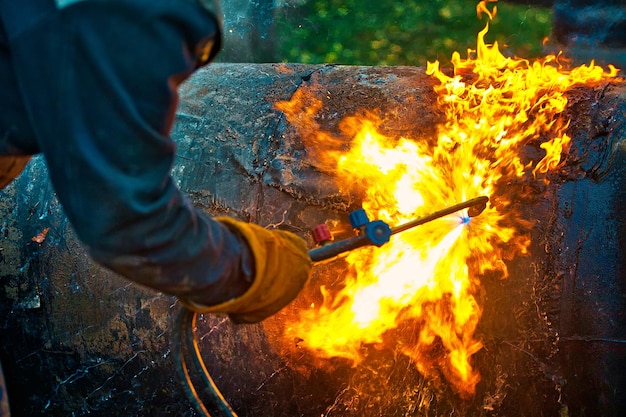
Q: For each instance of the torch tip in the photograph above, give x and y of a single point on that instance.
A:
(478, 207)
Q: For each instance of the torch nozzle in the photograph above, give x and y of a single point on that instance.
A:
(478, 208)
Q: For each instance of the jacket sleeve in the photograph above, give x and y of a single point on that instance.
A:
(102, 106)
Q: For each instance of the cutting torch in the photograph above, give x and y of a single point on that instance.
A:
(377, 232)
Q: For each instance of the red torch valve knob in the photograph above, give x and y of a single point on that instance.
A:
(321, 234)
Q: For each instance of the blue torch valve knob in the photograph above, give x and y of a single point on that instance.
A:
(358, 218)
(378, 232)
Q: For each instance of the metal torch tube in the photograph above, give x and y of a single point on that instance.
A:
(478, 201)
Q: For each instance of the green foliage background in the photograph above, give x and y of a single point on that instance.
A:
(403, 32)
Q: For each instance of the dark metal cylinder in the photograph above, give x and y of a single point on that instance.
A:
(78, 340)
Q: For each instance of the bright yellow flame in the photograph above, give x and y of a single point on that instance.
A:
(428, 276)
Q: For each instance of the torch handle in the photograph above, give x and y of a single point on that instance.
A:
(337, 248)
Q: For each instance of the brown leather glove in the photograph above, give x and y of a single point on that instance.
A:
(282, 266)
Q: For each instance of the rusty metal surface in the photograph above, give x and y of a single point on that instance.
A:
(77, 340)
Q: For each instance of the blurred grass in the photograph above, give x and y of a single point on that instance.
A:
(409, 32)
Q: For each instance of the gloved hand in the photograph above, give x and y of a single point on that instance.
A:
(282, 266)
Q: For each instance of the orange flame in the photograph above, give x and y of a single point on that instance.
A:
(429, 276)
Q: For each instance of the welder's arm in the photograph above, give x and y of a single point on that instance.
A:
(282, 266)
(104, 112)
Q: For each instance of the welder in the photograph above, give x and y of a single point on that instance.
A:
(92, 85)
